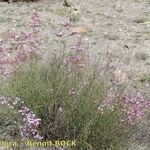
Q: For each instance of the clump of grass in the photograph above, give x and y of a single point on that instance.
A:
(68, 101)
(78, 103)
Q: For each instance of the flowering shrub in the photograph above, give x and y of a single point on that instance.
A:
(75, 98)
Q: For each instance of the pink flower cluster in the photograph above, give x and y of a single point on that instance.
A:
(75, 61)
(35, 22)
(31, 124)
(134, 106)
(30, 121)
(20, 46)
(76, 56)
(72, 59)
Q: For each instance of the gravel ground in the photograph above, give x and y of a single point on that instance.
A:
(120, 27)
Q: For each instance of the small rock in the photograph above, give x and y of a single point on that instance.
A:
(79, 30)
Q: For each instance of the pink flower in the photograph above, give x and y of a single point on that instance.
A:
(72, 59)
(31, 124)
(134, 106)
